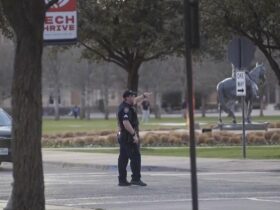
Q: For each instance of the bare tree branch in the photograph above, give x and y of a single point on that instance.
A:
(104, 57)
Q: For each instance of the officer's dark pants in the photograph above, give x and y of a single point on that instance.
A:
(129, 151)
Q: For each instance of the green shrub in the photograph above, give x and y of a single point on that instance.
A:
(275, 138)
(164, 138)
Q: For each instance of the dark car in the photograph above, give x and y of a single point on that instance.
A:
(5, 137)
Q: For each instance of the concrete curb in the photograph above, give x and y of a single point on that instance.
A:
(48, 207)
(115, 167)
(108, 162)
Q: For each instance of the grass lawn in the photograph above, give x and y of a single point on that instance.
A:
(76, 125)
(253, 152)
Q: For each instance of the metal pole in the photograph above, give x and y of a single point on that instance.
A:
(187, 17)
(243, 102)
(243, 128)
(240, 52)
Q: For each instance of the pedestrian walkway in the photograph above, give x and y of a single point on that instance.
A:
(153, 163)
(109, 161)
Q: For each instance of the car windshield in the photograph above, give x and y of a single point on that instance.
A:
(5, 119)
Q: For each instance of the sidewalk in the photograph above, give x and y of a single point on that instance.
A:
(105, 161)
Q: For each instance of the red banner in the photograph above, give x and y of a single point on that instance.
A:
(63, 6)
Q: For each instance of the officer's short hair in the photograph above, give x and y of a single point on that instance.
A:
(129, 93)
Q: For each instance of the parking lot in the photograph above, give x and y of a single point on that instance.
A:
(223, 184)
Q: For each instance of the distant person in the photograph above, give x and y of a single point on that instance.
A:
(76, 112)
(128, 138)
(145, 105)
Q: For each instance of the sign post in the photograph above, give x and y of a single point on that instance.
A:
(241, 91)
(240, 54)
(191, 35)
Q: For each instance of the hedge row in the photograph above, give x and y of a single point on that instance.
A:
(274, 125)
(170, 138)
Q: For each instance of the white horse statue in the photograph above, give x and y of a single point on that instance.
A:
(227, 92)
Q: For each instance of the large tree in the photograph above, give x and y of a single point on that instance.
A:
(257, 20)
(130, 32)
(26, 19)
(6, 59)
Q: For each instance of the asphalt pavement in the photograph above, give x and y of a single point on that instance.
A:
(105, 162)
(160, 163)
(224, 174)
(156, 163)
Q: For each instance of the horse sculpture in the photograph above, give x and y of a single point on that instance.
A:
(227, 92)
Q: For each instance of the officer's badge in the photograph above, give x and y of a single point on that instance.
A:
(126, 110)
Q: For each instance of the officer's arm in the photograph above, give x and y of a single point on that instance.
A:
(141, 97)
(128, 127)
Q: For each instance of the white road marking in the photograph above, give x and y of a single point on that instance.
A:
(49, 176)
(76, 174)
(128, 201)
(207, 173)
(266, 199)
(98, 198)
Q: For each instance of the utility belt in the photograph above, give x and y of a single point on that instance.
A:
(125, 137)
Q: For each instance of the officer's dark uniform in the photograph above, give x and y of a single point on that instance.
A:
(128, 149)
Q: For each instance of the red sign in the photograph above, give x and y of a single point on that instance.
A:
(63, 5)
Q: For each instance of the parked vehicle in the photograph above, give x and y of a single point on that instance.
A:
(5, 137)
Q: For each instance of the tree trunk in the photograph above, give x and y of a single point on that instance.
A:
(157, 108)
(83, 103)
(56, 108)
(105, 94)
(261, 105)
(27, 20)
(277, 94)
(133, 77)
(27, 122)
(56, 102)
(273, 64)
(203, 105)
(87, 91)
(87, 108)
(56, 84)
(106, 104)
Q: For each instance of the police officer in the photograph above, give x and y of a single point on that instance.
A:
(128, 138)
